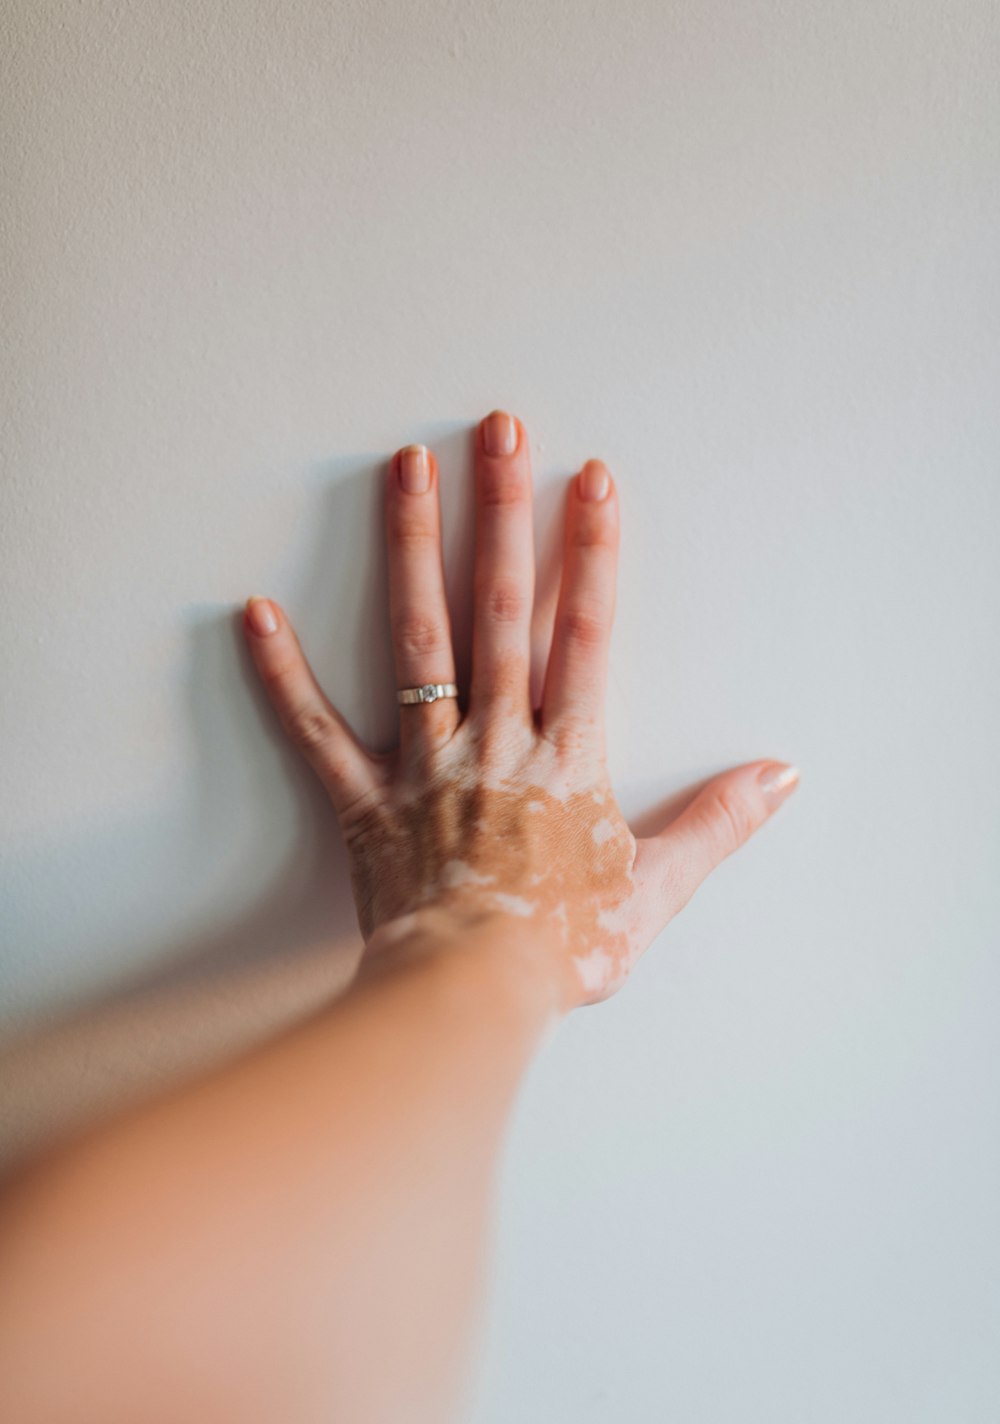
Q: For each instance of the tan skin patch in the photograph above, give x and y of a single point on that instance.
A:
(455, 839)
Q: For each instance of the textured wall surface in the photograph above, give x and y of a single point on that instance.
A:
(747, 254)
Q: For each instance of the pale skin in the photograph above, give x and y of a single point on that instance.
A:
(300, 1235)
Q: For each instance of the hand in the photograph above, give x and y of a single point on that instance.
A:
(507, 810)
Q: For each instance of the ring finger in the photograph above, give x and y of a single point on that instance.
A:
(576, 676)
(418, 610)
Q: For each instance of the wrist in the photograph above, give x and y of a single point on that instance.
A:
(485, 948)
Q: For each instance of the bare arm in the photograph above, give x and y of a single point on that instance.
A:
(299, 1236)
(296, 1237)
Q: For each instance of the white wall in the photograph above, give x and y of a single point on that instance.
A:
(747, 254)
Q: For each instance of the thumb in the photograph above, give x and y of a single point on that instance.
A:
(722, 817)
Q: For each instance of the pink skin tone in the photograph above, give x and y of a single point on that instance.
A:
(506, 807)
(299, 1235)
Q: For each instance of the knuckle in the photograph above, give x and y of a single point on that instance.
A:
(731, 819)
(418, 634)
(408, 531)
(595, 531)
(364, 819)
(571, 740)
(504, 488)
(308, 728)
(583, 627)
(276, 676)
(505, 603)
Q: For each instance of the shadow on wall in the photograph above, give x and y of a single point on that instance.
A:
(203, 997)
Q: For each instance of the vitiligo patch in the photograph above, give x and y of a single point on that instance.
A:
(525, 844)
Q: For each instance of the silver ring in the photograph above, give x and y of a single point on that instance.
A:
(430, 692)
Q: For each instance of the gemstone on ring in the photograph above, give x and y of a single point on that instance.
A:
(428, 692)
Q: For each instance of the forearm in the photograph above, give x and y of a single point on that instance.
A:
(304, 1225)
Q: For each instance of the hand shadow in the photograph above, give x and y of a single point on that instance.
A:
(107, 1039)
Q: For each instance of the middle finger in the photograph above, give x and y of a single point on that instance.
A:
(505, 569)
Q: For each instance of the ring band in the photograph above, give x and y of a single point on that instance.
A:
(430, 692)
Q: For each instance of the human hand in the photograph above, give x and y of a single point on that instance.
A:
(506, 810)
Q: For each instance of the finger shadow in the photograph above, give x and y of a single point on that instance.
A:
(658, 817)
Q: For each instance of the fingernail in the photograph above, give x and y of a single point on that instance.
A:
(593, 481)
(778, 781)
(261, 616)
(414, 469)
(499, 433)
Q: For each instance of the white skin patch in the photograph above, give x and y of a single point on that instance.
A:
(456, 872)
(395, 930)
(622, 922)
(619, 919)
(562, 920)
(514, 904)
(559, 783)
(531, 844)
(594, 969)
